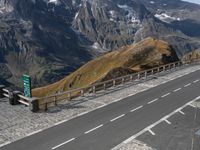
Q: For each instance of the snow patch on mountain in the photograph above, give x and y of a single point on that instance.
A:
(130, 16)
(166, 18)
(152, 2)
(56, 2)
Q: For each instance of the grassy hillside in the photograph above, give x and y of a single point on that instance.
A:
(145, 54)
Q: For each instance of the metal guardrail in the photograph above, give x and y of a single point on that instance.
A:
(16, 97)
(35, 104)
(53, 100)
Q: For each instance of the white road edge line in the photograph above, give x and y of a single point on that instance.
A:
(63, 121)
(165, 95)
(6, 143)
(136, 108)
(117, 117)
(34, 132)
(177, 90)
(187, 85)
(159, 121)
(94, 129)
(153, 101)
(63, 143)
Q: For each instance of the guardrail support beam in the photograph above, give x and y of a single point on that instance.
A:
(34, 104)
(16, 97)
(1, 91)
(13, 97)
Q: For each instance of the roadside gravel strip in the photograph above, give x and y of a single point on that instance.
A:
(17, 122)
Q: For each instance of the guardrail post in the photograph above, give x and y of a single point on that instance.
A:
(1, 91)
(145, 74)
(82, 92)
(174, 65)
(131, 77)
(69, 96)
(123, 80)
(94, 89)
(16, 97)
(138, 76)
(164, 68)
(34, 104)
(104, 86)
(45, 107)
(114, 82)
(55, 101)
(11, 98)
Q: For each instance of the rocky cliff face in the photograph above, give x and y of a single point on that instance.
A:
(36, 38)
(48, 39)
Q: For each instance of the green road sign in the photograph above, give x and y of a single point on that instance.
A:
(27, 86)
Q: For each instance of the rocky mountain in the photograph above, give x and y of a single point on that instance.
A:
(48, 39)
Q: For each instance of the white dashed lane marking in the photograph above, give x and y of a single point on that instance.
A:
(177, 90)
(159, 121)
(117, 117)
(63, 143)
(165, 95)
(153, 101)
(94, 129)
(136, 108)
(187, 85)
(195, 81)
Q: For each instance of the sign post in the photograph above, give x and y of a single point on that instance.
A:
(27, 86)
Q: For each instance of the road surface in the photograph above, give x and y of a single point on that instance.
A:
(108, 126)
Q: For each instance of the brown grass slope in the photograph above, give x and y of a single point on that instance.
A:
(143, 55)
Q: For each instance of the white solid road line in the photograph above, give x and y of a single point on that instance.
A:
(63, 121)
(165, 95)
(168, 122)
(151, 132)
(94, 129)
(177, 90)
(191, 105)
(136, 108)
(187, 85)
(159, 121)
(117, 117)
(6, 143)
(63, 143)
(153, 101)
(181, 112)
(195, 81)
(34, 132)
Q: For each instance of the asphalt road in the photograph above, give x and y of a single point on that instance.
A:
(108, 126)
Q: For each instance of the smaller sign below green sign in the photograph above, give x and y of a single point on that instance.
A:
(27, 86)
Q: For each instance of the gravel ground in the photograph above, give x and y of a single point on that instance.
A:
(17, 122)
